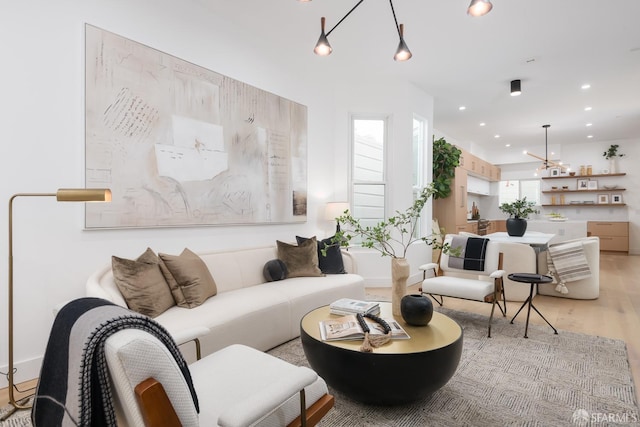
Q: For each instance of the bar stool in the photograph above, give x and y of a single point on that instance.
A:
(533, 280)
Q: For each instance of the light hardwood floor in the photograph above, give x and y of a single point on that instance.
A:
(616, 314)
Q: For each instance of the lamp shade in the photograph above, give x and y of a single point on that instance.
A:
(83, 195)
(323, 48)
(479, 7)
(403, 53)
(335, 209)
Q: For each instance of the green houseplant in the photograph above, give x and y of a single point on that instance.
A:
(391, 237)
(518, 211)
(446, 158)
(612, 155)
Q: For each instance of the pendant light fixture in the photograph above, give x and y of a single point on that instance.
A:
(515, 88)
(546, 163)
(323, 48)
(479, 7)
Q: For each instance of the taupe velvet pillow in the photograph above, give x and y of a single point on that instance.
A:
(188, 277)
(142, 284)
(301, 260)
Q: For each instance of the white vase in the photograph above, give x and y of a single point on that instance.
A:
(399, 275)
(613, 165)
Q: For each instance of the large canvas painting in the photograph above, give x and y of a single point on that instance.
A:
(180, 145)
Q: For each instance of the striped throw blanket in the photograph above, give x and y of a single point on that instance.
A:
(73, 389)
(568, 263)
(472, 253)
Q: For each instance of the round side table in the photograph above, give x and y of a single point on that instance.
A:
(533, 280)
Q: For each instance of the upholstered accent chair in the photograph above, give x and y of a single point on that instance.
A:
(235, 386)
(451, 279)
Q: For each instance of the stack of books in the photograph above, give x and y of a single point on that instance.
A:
(346, 306)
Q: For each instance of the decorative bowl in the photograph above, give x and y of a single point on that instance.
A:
(610, 187)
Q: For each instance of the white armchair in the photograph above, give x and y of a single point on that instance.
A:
(485, 285)
(235, 386)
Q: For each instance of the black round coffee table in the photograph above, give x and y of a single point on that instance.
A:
(400, 371)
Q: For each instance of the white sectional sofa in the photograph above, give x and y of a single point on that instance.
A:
(247, 309)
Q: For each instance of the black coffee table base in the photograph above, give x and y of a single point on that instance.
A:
(382, 379)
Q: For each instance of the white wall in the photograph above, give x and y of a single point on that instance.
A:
(43, 110)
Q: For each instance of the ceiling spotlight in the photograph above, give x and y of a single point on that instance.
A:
(497, 136)
(479, 7)
(482, 124)
(462, 108)
(587, 108)
(589, 136)
(515, 88)
(585, 86)
(589, 124)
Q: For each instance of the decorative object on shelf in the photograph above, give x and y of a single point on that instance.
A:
(592, 184)
(612, 155)
(583, 184)
(609, 187)
(554, 172)
(391, 237)
(416, 309)
(603, 199)
(616, 198)
(446, 158)
(518, 212)
(572, 174)
(555, 216)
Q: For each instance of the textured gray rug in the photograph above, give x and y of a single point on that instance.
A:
(547, 380)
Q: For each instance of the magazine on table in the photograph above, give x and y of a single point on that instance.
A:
(348, 328)
(346, 306)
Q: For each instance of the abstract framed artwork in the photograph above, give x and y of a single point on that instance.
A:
(592, 184)
(583, 184)
(603, 199)
(181, 145)
(616, 198)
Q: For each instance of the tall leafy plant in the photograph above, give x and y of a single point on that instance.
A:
(446, 158)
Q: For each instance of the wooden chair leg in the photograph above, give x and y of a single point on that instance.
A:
(315, 412)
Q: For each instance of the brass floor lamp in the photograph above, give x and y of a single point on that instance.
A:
(62, 195)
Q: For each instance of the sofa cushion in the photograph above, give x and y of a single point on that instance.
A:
(188, 277)
(301, 260)
(274, 270)
(331, 262)
(142, 284)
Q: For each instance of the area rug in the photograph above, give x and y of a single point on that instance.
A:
(545, 380)
(568, 379)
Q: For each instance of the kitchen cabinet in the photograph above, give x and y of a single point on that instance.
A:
(478, 167)
(478, 186)
(614, 235)
(451, 212)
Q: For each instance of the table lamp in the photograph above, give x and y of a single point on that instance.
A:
(62, 195)
(335, 209)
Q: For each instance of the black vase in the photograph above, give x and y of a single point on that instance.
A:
(516, 226)
(416, 310)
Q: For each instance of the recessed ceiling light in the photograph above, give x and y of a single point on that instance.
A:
(482, 124)
(587, 108)
(585, 86)
(589, 124)
(589, 136)
(497, 136)
(553, 153)
(462, 107)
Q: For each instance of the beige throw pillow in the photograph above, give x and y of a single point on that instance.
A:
(301, 260)
(188, 277)
(142, 284)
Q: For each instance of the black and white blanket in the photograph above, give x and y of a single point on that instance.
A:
(73, 388)
(472, 253)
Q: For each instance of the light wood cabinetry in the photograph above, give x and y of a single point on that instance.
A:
(451, 212)
(478, 167)
(614, 236)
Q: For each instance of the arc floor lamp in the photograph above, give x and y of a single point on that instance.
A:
(62, 195)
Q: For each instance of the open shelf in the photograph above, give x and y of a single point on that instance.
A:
(583, 176)
(600, 190)
(586, 205)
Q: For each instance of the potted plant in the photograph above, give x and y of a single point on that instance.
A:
(391, 237)
(612, 155)
(446, 158)
(518, 212)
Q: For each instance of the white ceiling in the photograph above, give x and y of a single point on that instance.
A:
(552, 46)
